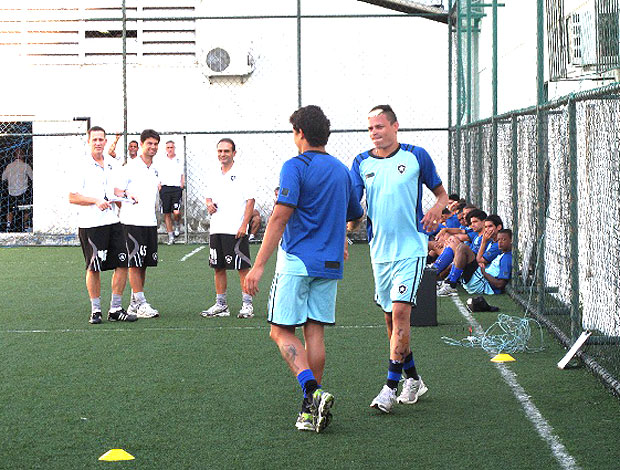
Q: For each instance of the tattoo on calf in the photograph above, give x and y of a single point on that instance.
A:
(289, 353)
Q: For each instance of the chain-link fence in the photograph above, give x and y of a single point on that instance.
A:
(558, 188)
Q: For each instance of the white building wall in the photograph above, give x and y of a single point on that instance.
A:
(348, 65)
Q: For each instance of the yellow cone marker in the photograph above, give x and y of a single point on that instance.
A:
(503, 358)
(116, 454)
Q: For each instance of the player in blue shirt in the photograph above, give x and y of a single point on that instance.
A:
(315, 201)
(493, 279)
(393, 175)
(467, 261)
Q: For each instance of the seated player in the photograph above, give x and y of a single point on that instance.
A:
(493, 279)
(475, 219)
(466, 261)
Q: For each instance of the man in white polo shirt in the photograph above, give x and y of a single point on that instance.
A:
(230, 201)
(172, 181)
(100, 231)
(139, 182)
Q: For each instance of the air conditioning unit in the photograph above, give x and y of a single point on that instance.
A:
(226, 60)
(593, 36)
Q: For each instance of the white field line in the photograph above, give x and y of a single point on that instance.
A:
(193, 252)
(172, 328)
(544, 429)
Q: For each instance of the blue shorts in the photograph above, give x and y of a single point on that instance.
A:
(478, 284)
(397, 281)
(294, 300)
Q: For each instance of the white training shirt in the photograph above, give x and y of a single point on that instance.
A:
(141, 182)
(170, 170)
(92, 180)
(230, 193)
(17, 173)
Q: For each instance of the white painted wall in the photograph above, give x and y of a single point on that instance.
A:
(348, 66)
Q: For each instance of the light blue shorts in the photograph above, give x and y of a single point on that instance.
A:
(294, 300)
(478, 284)
(397, 281)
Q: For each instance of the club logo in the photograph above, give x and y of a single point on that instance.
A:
(154, 256)
(233, 177)
(284, 191)
(402, 289)
(122, 256)
(401, 168)
(228, 259)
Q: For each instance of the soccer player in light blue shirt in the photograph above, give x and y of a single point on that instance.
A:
(392, 175)
(315, 201)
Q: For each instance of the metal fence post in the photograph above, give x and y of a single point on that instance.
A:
(573, 214)
(515, 191)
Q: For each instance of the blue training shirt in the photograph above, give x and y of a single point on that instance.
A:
(393, 188)
(501, 268)
(320, 189)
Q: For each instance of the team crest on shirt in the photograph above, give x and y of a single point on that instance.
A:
(401, 168)
(284, 191)
(402, 289)
(156, 173)
(109, 166)
(233, 177)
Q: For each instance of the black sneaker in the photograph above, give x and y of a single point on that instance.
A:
(95, 318)
(121, 315)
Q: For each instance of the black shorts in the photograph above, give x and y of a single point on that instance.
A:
(141, 245)
(228, 252)
(170, 198)
(104, 247)
(16, 201)
(469, 271)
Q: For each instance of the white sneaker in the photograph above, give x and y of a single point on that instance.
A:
(447, 291)
(385, 400)
(216, 310)
(170, 241)
(412, 390)
(247, 311)
(146, 311)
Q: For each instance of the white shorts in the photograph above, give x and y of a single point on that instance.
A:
(397, 281)
(294, 300)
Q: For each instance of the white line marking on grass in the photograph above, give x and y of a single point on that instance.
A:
(544, 429)
(171, 328)
(191, 253)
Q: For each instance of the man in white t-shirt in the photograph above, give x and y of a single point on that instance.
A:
(138, 184)
(16, 174)
(230, 202)
(172, 181)
(100, 231)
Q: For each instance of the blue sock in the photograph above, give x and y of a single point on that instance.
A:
(444, 260)
(395, 370)
(455, 275)
(308, 382)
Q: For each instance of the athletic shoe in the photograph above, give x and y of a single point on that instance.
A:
(146, 311)
(321, 404)
(305, 422)
(385, 400)
(177, 232)
(121, 315)
(216, 310)
(251, 238)
(95, 318)
(247, 311)
(412, 390)
(447, 291)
